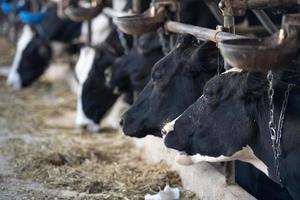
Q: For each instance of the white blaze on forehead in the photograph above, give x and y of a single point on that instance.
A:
(246, 154)
(14, 79)
(82, 69)
(237, 70)
(84, 63)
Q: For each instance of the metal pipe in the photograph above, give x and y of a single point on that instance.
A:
(250, 30)
(265, 21)
(229, 24)
(14, 21)
(260, 4)
(90, 33)
(136, 6)
(200, 32)
(113, 13)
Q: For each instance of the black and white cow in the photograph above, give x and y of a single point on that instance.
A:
(131, 72)
(37, 45)
(230, 122)
(94, 97)
(176, 82)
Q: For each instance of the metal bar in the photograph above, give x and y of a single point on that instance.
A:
(200, 32)
(250, 30)
(260, 4)
(136, 6)
(266, 21)
(90, 33)
(113, 13)
(229, 24)
(14, 36)
(230, 172)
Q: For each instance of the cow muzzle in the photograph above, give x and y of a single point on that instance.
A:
(14, 82)
(183, 159)
(90, 127)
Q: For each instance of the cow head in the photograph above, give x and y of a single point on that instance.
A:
(131, 72)
(220, 125)
(176, 82)
(94, 97)
(31, 60)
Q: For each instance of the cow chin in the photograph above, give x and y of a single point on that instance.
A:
(90, 127)
(183, 159)
(132, 132)
(137, 129)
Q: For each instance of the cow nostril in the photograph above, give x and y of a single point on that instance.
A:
(164, 132)
(122, 122)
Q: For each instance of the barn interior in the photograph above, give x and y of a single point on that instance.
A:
(90, 88)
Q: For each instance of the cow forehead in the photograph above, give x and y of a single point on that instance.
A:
(85, 63)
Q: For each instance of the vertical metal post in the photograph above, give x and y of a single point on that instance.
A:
(229, 26)
(14, 22)
(175, 17)
(136, 8)
(90, 35)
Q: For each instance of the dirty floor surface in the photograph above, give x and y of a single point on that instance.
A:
(42, 155)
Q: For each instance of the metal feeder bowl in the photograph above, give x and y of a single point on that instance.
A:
(259, 54)
(143, 23)
(80, 14)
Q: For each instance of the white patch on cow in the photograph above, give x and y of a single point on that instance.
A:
(84, 63)
(100, 29)
(82, 69)
(14, 79)
(119, 5)
(246, 154)
(101, 25)
(170, 126)
(237, 70)
(114, 115)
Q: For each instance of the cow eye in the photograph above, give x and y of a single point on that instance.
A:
(157, 75)
(208, 93)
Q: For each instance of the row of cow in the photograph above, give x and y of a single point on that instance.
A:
(180, 93)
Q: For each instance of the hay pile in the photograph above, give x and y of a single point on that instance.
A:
(7, 51)
(48, 150)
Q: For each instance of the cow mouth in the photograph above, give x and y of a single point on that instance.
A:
(183, 158)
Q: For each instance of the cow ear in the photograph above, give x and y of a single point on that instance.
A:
(256, 83)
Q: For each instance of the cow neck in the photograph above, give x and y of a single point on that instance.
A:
(40, 31)
(262, 144)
